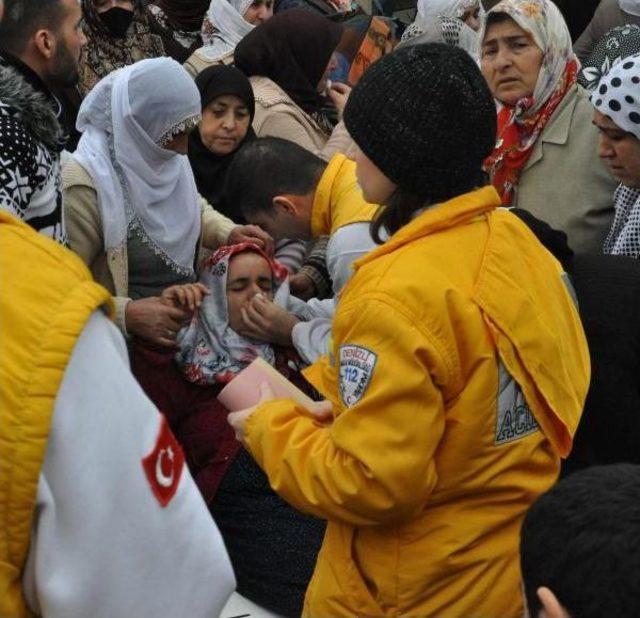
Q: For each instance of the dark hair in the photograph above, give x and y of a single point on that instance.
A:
(582, 540)
(266, 168)
(403, 205)
(23, 18)
(497, 18)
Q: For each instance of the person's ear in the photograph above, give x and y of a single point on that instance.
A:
(551, 607)
(45, 43)
(285, 205)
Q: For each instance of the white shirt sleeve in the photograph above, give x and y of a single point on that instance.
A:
(102, 545)
(346, 245)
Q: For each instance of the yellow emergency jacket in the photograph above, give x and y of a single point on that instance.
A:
(434, 455)
(47, 295)
(338, 200)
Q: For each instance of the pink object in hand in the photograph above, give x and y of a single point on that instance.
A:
(244, 390)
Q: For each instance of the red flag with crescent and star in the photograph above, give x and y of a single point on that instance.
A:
(163, 466)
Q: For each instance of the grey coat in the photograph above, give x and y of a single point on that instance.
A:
(564, 182)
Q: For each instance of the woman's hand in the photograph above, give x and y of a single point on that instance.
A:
(321, 411)
(254, 234)
(188, 296)
(339, 94)
(155, 320)
(263, 320)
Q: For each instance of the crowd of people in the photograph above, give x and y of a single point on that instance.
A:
(432, 230)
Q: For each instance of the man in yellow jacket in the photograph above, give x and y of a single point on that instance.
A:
(457, 372)
(291, 193)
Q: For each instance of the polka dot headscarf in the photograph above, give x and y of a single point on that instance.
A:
(618, 95)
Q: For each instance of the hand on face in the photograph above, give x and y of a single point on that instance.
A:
(263, 320)
(339, 94)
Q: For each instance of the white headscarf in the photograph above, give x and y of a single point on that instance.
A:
(630, 6)
(449, 30)
(140, 184)
(446, 8)
(224, 27)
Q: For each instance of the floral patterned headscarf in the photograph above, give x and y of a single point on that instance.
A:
(614, 47)
(519, 126)
(210, 351)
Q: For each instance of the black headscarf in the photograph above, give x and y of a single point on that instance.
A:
(210, 170)
(186, 15)
(293, 49)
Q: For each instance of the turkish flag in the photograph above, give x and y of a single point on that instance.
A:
(163, 466)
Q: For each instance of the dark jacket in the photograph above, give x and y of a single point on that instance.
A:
(31, 140)
(608, 291)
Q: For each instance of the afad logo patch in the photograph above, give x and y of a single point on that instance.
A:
(356, 370)
(163, 466)
(514, 417)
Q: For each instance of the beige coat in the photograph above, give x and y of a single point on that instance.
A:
(564, 182)
(197, 62)
(86, 237)
(277, 115)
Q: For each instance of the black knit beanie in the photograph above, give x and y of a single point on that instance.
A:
(425, 116)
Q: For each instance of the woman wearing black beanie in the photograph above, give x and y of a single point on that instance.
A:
(457, 373)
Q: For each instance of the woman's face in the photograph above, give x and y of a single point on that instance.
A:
(510, 61)
(249, 274)
(471, 17)
(619, 150)
(376, 187)
(225, 122)
(259, 11)
(178, 144)
(102, 6)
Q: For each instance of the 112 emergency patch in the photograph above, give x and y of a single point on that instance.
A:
(356, 370)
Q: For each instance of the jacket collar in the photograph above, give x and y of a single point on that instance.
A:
(437, 218)
(321, 210)
(558, 127)
(29, 100)
(30, 76)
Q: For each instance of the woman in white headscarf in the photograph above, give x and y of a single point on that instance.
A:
(448, 30)
(226, 23)
(468, 11)
(131, 204)
(608, 15)
(545, 160)
(454, 22)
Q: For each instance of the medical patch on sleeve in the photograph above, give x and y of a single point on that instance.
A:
(163, 466)
(356, 370)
